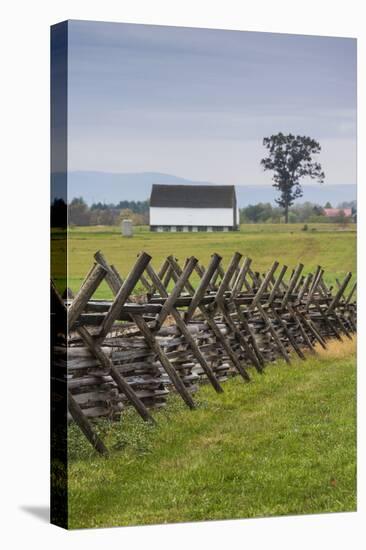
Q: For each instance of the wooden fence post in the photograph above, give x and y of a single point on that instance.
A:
(84, 424)
(185, 332)
(208, 316)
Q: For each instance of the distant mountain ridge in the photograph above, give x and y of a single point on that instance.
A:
(109, 187)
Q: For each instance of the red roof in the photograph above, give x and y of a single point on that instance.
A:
(334, 212)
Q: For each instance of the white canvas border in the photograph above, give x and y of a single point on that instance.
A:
(25, 102)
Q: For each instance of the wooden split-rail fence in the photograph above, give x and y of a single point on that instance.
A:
(135, 349)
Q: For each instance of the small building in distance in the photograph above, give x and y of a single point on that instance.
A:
(193, 208)
(336, 212)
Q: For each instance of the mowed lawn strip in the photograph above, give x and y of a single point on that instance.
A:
(325, 244)
(283, 444)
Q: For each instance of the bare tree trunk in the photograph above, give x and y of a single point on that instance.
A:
(286, 213)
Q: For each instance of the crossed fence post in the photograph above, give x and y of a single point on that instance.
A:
(149, 334)
(75, 410)
(223, 306)
(184, 330)
(259, 286)
(296, 313)
(196, 302)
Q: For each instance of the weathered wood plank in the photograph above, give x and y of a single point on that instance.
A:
(85, 426)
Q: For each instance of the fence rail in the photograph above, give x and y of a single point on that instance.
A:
(134, 350)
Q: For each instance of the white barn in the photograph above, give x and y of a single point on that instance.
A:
(193, 208)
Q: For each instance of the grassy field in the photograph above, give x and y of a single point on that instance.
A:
(283, 444)
(327, 244)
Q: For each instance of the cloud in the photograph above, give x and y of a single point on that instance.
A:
(198, 102)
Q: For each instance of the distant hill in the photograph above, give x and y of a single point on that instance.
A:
(318, 194)
(112, 188)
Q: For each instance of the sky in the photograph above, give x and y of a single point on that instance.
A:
(197, 103)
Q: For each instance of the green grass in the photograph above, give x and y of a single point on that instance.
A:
(326, 244)
(283, 444)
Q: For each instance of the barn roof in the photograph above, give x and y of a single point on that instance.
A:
(193, 196)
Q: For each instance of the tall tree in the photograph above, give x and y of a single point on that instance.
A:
(291, 159)
(79, 213)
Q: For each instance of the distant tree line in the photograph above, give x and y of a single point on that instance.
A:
(79, 213)
(137, 207)
(306, 212)
(58, 213)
